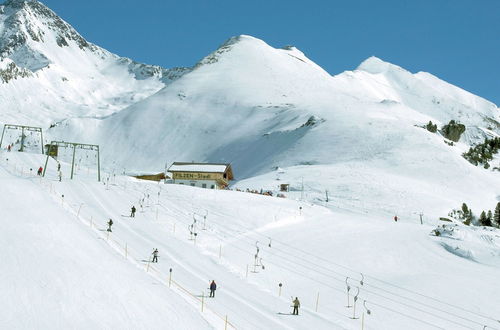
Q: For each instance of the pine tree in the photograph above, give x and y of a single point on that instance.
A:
(465, 209)
(496, 217)
(489, 216)
(482, 219)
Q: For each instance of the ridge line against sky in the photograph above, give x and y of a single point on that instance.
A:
(456, 40)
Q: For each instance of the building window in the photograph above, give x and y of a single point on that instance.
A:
(212, 187)
(203, 185)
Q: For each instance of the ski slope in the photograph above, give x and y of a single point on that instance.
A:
(410, 280)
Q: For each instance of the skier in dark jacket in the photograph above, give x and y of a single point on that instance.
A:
(155, 256)
(110, 223)
(40, 170)
(132, 212)
(213, 287)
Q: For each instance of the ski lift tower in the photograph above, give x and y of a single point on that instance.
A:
(23, 136)
(74, 145)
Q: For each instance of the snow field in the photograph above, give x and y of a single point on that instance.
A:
(54, 275)
(312, 252)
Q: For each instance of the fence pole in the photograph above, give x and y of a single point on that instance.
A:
(78, 214)
(220, 251)
(126, 251)
(170, 278)
(225, 325)
(247, 271)
(317, 302)
(202, 300)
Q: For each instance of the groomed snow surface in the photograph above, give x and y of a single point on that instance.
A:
(61, 269)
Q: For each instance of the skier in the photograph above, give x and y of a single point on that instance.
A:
(60, 176)
(155, 256)
(213, 287)
(40, 170)
(395, 218)
(132, 212)
(8, 148)
(296, 305)
(110, 223)
(58, 166)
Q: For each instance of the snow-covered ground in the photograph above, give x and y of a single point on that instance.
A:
(351, 146)
(60, 261)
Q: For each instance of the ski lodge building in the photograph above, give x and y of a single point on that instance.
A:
(203, 175)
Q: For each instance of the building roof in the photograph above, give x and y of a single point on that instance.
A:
(199, 167)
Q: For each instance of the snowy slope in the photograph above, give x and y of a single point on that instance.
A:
(55, 274)
(409, 280)
(277, 117)
(355, 134)
(49, 72)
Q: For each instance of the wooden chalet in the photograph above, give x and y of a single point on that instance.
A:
(203, 175)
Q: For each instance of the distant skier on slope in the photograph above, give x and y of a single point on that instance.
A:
(296, 306)
(110, 223)
(395, 218)
(8, 148)
(213, 287)
(40, 170)
(132, 212)
(155, 256)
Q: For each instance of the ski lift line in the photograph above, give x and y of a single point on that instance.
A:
(377, 294)
(384, 297)
(374, 293)
(372, 277)
(131, 252)
(392, 310)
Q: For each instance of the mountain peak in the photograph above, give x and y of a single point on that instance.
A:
(375, 65)
(27, 24)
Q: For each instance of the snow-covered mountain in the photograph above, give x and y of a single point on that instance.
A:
(273, 113)
(358, 134)
(352, 147)
(49, 72)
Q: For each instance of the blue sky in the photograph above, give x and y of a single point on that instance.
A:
(456, 40)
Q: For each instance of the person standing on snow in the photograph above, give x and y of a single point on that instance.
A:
(132, 212)
(155, 256)
(213, 287)
(110, 223)
(40, 170)
(296, 306)
(395, 218)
